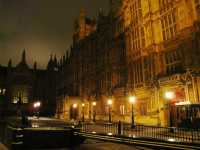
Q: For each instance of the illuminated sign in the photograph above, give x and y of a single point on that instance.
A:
(183, 103)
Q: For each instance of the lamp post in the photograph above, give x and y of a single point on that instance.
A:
(169, 95)
(74, 111)
(132, 100)
(83, 112)
(94, 111)
(109, 109)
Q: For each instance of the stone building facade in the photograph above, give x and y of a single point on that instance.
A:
(28, 84)
(141, 48)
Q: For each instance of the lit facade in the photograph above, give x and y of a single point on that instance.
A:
(142, 48)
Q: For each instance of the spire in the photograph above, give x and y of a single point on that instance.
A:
(55, 59)
(24, 56)
(67, 54)
(10, 63)
(50, 62)
(64, 60)
(35, 65)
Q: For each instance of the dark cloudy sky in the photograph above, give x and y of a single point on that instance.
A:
(40, 26)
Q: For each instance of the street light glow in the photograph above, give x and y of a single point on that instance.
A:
(132, 99)
(74, 105)
(109, 102)
(94, 103)
(169, 95)
(110, 133)
(36, 104)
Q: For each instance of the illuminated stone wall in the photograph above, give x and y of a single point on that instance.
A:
(142, 48)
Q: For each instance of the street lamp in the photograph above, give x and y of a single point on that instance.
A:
(37, 105)
(83, 111)
(94, 111)
(109, 109)
(74, 106)
(74, 110)
(169, 95)
(132, 100)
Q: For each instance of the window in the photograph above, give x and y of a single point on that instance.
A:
(138, 38)
(138, 34)
(168, 19)
(173, 62)
(138, 72)
(143, 108)
(147, 71)
(122, 109)
(2, 91)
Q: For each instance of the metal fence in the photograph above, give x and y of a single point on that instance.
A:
(140, 131)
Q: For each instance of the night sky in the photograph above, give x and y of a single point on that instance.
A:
(41, 27)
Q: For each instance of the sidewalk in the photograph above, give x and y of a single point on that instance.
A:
(2, 147)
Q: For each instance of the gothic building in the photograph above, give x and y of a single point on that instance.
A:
(148, 49)
(29, 84)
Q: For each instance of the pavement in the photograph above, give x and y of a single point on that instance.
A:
(99, 145)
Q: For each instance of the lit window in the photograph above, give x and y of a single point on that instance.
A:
(138, 34)
(168, 20)
(143, 108)
(15, 100)
(122, 109)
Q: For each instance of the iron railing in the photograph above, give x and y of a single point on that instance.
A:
(172, 134)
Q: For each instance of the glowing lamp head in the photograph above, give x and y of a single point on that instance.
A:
(74, 105)
(36, 104)
(94, 103)
(83, 105)
(169, 95)
(132, 99)
(109, 102)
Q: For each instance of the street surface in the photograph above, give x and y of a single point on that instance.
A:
(111, 129)
(99, 145)
(141, 131)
